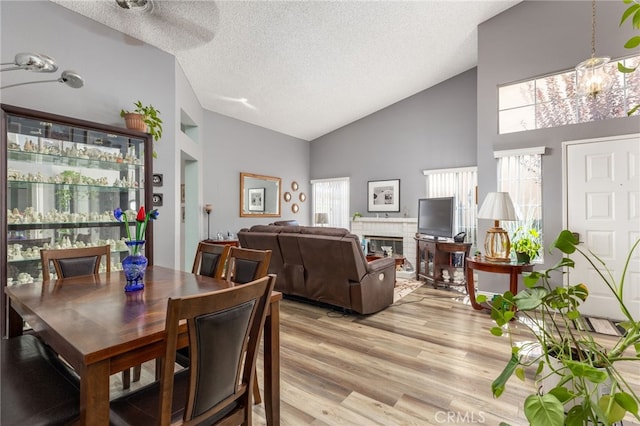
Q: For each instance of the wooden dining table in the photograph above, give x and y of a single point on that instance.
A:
(100, 330)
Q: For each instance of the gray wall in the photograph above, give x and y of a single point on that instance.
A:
(232, 146)
(514, 46)
(119, 70)
(433, 129)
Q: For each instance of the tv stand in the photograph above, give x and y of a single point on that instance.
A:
(441, 263)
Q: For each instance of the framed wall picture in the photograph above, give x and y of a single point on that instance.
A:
(256, 199)
(383, 195)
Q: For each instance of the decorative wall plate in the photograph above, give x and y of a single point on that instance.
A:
(294, 185)
(295, 208)
(287, 196)
(302, 197)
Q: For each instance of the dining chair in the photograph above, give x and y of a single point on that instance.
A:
(210, 259)
(76, 262)
(224, 329)
(245, 265)
(37, 386)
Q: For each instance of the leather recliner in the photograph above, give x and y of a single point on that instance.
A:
(324, 265)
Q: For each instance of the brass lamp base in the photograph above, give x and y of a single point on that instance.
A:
(496, 244)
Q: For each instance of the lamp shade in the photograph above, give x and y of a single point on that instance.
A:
(322, 218)
(497, 206)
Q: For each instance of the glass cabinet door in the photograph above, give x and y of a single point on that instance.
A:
(63, 181)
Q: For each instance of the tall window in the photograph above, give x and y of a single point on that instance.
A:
(520, 174)
(460, 183)
(331, 197)
(552, 100)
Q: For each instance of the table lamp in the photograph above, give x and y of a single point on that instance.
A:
(497, 206)
(322, 218)
(208, 208)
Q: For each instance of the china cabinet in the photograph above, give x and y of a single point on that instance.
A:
(62, 178)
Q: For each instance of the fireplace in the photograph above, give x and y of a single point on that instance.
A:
(376, 242)
(389, 229)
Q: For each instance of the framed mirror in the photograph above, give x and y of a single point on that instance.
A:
(259, 195)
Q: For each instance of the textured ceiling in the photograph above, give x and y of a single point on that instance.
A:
(306, 68)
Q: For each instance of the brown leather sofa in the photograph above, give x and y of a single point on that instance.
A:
(324, 265)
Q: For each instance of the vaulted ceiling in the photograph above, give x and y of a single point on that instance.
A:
(306, 68)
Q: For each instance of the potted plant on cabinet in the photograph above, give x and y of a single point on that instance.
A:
(526, 244)
(144, 118)
(587, 385)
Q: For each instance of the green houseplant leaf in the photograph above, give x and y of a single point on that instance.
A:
(544, 410)
(574, 371)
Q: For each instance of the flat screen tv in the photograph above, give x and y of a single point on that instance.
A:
(435, 217)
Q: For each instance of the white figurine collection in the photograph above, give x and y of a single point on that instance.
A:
(46, 146)
(70, 177)
(26, 278)
(30, 215)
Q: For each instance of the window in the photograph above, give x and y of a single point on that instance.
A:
(552, 101)
(520, 174)
(460, 183)
(331, 196)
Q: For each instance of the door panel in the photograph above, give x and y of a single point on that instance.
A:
(603, 205)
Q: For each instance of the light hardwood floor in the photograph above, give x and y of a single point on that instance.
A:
(427, 360)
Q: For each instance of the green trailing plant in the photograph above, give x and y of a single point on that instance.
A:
(356, 215)
(633, 14)
(527, 242)
(151, 117)
(587, 386)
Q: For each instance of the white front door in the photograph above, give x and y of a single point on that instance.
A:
(602, 190)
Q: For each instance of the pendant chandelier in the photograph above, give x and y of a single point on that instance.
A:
(592, 76)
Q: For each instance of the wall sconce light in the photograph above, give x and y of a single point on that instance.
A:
(497, 206)
(208, 208)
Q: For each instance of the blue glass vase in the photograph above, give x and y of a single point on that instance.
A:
(134, 266)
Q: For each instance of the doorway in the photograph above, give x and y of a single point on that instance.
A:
(190, 214)
(602, 204)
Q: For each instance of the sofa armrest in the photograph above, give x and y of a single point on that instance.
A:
(380, 264)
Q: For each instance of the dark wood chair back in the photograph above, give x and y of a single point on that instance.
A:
(225, 329)
(245, 265)
(75, 261)
(210, 259)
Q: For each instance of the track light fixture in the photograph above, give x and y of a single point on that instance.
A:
(68, 77)
(35, 62)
